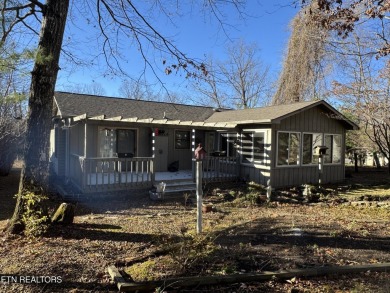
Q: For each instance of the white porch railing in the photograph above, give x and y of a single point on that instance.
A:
(220, 168)
(99, 174)
(102, 174)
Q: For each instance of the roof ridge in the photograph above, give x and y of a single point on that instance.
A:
(280, 105)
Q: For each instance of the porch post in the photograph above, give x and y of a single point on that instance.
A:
(152, 167)
(153, 142)
(193, 150)
(238, 154)
(85, 139)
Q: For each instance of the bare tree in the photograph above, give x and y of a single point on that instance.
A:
(91, 89)
(210, 90)
(246, 76)
(137, 89)
(242, 80)
(364, 91)
(174, 97)
(117, 21)
(303, 67)
(12, 107)
(343, 16)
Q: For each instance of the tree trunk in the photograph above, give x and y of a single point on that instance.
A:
(64, 214)
(376, 159)
(355, 157)
(35, 171)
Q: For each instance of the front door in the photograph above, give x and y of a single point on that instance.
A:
(161, 154)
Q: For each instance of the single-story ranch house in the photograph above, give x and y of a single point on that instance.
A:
(103, 143)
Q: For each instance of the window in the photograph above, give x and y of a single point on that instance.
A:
(227, 144)
(253, 147)
(125, 143)
(116, 142)
(182, 140)
(107, 142)
(288, 148)
(310, 142)
(333, 153)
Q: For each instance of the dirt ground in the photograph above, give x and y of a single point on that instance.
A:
(131, 231)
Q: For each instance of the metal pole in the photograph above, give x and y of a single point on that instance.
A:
(199, 194)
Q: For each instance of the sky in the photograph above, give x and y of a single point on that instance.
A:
(266, 24)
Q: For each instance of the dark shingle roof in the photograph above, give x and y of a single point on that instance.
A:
(264, 114)
(71, 105)
(274, 114)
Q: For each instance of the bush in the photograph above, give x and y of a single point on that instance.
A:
(35, 218)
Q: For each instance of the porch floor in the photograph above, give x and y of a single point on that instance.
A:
(179, 175)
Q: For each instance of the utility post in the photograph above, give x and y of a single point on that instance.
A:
(199, 195)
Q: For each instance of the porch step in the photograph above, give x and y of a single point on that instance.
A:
(173, 186)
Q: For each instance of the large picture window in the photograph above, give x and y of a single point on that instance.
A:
(309, 143)
(289, 148)
(333, 143)
(253, 147)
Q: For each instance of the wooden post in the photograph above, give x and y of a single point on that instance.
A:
(152, 174)
(320, 170)
(193, 151)
(84, 173)
(199, 194)
(269, 190)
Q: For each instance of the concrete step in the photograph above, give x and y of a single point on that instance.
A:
(179, 186)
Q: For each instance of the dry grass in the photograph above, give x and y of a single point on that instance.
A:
(152, 240)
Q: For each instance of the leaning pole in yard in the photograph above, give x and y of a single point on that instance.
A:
(199, 195)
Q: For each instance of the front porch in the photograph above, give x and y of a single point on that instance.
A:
(114, 174)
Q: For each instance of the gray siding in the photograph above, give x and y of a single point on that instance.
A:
(60, 151)
(76, 139)
(317, 121)
(184, 156)
(144, 142)
(92, 140)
